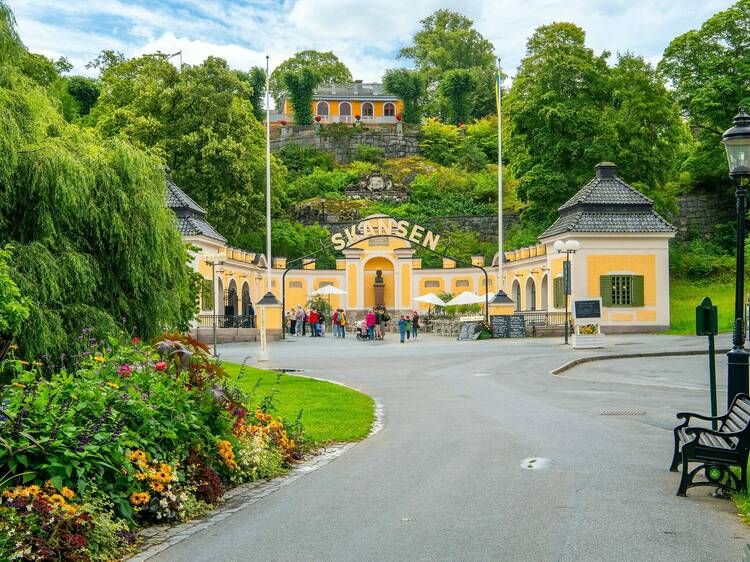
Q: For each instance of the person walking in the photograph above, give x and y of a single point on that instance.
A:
(291, 318)
(313, 323)
(321, 324)
(342, 323)
(370, 323)
(402, 328)
(408, 326)
(415, 324)
(335, 323)
(300, 324)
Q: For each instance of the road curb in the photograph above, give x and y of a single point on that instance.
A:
(158, 539)
(580, 360)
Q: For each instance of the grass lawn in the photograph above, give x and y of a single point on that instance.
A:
(330, 413)
(686, 295)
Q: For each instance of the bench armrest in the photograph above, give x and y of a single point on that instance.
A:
(687, 415)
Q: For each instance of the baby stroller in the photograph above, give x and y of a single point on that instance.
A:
(362, 333)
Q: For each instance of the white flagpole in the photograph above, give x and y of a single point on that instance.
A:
(499, 179)
(268, 179)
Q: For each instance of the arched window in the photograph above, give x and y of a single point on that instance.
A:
(322, 109)
(530, 294)
(367, 109)
(516, 292)
(545, 290)
(345, 109)
(389, 110)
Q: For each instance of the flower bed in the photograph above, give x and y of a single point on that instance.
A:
(127, 434)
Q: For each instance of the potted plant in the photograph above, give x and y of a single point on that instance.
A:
(318, 118)
(587, 336)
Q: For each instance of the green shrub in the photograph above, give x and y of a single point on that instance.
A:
(440, 142)
(373, 154)
(698, 259)
(13, 310)
(302, 160)
(483, 133)
(320, 182)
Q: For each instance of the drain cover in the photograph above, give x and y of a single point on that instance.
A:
(285, 370)
(623, 413)
(536, 463)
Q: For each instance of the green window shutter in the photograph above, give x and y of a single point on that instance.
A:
(636, 285)
(559, 289)
(605, 289)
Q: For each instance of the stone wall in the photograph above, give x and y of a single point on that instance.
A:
(397, 142)
(698, 213)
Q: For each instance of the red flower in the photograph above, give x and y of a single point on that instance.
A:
(398, 117)
(125, 370)
(283, 123)
(460, 123)
(318, 118)
(161, 366)
(358, 117)
(136, 340)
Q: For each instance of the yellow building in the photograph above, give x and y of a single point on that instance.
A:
(342, 103)
(623, 258)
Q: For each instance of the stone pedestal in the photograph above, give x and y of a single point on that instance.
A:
(379, 287)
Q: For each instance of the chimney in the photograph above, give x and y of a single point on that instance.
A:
(358, 86)
(606, 170)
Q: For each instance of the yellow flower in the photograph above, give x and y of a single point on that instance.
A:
(19, 385)
(157, 487)
(13, 346)
(113, 385)
(139, 499)
(67, 492)
(140, 476)
(99, 359)
(24, 362)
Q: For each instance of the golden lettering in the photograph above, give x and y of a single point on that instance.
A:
(416, 234)
(338, 241)
(431, 240)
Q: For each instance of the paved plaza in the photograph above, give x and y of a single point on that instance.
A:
(443, 479)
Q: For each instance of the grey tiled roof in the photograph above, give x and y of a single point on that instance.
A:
(194, 226)
(608, 204)
(618, 221)
(178, 199)
(607, 191)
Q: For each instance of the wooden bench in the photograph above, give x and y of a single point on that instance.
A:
(717, 450)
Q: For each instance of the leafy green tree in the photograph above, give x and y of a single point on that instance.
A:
(456, 86)
(200, 121)
(98, 244)
(301, 86)
(708, 69)
(448, 41)
(301, 160)
(257, 79)
(106, 59)
(325, 65)
(13, 310)
(293, 240)
(411, 87)
(84, 91)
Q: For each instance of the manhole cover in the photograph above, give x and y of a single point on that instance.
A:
(623, 413)
(536, 463)
(284, 370)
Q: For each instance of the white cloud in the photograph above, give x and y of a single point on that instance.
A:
(366, 36)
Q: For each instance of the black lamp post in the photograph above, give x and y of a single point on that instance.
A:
(568, 247)
(737, 144)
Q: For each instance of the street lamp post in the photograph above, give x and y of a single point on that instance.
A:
(214, 262)
(323, 212)
(737, 145)
(568, 247)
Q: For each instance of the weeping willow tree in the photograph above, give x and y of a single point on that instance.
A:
(93, 243)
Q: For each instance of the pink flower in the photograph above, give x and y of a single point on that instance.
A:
(136, 340)
(161, 366)
(125, 370)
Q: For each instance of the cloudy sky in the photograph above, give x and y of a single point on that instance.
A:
(365, 35)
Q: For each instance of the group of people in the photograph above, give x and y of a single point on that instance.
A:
(298, 321)
(372, 327)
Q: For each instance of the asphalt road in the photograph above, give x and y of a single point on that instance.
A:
(443, 479)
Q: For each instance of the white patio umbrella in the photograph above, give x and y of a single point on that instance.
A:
(431, 298)
(467, 297)
(329, 290)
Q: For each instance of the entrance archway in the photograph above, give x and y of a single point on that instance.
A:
(516, 292)
(386, 267)
(545, 290)
(230, 306)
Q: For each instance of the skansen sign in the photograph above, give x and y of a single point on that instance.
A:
(386, 226)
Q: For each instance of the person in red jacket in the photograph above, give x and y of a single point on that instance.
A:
(314, 323)
(370, 323)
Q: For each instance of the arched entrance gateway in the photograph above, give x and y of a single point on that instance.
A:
(379, 265)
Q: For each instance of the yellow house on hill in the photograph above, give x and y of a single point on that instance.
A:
(341, 103)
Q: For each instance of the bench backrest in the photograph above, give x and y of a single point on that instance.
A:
(738, 417)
